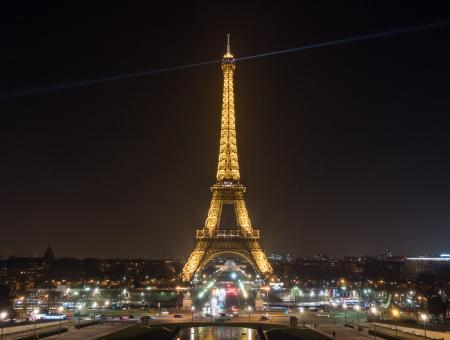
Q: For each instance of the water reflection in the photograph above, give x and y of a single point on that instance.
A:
(218, 332)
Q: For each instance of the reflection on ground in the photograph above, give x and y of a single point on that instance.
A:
(218, 332)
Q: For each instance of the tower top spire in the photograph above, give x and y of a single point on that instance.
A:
(228, 56)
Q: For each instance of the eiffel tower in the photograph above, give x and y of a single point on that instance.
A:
(211, 241)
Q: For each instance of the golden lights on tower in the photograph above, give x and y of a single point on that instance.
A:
(212, 241)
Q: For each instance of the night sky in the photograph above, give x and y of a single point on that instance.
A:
(345, 150)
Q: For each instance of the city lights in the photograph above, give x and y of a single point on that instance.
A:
(317, 271)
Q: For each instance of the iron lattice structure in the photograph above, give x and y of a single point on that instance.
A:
(212, 241)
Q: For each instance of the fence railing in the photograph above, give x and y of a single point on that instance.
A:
(227, 233)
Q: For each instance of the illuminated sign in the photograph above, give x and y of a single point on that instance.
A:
(276, 285)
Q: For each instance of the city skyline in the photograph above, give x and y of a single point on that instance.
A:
(345, 148)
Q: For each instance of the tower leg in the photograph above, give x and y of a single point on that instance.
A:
(260, 259)
(241, 212)
(215, 210)
(194, 260)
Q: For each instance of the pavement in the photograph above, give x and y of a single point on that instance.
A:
(403, 335)
(351, 333)
(86, 333)
(91, 332)
(341, 333)
(324, 325)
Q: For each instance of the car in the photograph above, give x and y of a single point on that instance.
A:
(177, 316)
(264, 318)
(223, 317)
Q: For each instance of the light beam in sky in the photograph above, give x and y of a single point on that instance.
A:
(354, 39)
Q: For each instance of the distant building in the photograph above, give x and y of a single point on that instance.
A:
(424, 265)
(321, 257)
(49, 255)
(279, 258)
(386, 254)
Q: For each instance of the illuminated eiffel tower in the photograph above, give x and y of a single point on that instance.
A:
(211, 240)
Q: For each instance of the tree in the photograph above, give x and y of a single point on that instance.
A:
(5, 297)
(437, 306)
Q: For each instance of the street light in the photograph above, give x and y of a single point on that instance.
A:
(94, 305)
(192, 311)
(178, 294)
(294, 292)
(79, 307)
(344, 307)
(267, 288)
(35, 312)
(395, 314)
(374, 311)
(249, 308)
(106, 310)
(424, 317)
(2, 318)
(60, 310)
(357, 308)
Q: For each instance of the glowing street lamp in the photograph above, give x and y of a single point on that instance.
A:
(192, 311)
(267, 289)
(178, 294)
(424, 318)
(94, 305)
(295, 291)
(79, 307)
(395, 315)
(344, 307)
(106, 309)
(3, 316)
(249, 308)
(357, 308)
(374, 312)
(60, 310)
(35, 313)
